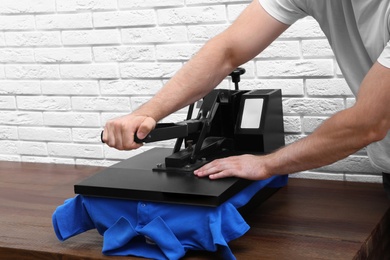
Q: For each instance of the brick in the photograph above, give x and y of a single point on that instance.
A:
(316, 48)
(8, 147)
(169, 34)
(90, 37)
(289, 87)
(17, 22)
(64, 21)
(124, 18)
(20, 118)
(149, 70)
(31, 39)
(63, 55)
(327, 87)
(78, 88)
(17, 55)
(27, 6)
(292, 124)
(14, 158)
(7, 102)
(338, 70)
(43, 103)
(312, 106)
(89, 71)
(192, 15)
(84, 5)
(17, 87)
(2, 72)
(176, 52)
(101, 103)
(281, 49)
(35, 71)
(32, 148)
(130, 87)
(124, 53)
(2, 39)
(130, 4)
(295, 68)
(86, 135)
(75, 150)
(8, 133)
(71, 119)
(45, 134)
(311, 123)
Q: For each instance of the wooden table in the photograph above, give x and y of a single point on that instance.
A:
(308, 219)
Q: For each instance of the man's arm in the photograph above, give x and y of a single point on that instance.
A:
(341, 135)
(250, 34)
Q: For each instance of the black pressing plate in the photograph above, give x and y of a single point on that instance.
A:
(135, 179)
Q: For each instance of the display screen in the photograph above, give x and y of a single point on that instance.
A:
(251, 117)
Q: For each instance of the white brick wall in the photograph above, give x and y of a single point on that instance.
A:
(67, 66)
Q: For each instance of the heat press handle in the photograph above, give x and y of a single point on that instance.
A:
(161, 132)
(164, 131)
(136, 139)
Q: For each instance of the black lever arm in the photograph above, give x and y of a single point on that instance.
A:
(166, 131)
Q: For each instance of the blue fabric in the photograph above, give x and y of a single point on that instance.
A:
(158, 230)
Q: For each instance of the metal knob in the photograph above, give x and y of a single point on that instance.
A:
(235, 74)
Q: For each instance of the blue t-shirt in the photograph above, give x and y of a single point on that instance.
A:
(158, 230)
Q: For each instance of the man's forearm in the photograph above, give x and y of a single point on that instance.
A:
(338, 137)
(344, 133)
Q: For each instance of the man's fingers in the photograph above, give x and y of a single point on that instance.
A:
(221, 174)
(119, 133)
(215, 168)
(146, 126)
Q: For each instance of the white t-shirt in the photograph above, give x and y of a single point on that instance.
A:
(358, 32)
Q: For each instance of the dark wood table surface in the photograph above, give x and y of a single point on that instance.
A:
(308, 219)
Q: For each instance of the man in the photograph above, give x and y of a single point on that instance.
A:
(358, 32)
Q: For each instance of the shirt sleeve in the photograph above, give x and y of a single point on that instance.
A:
(285, 11)
(384, 57)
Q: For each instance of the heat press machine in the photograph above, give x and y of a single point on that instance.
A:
(224, 123)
